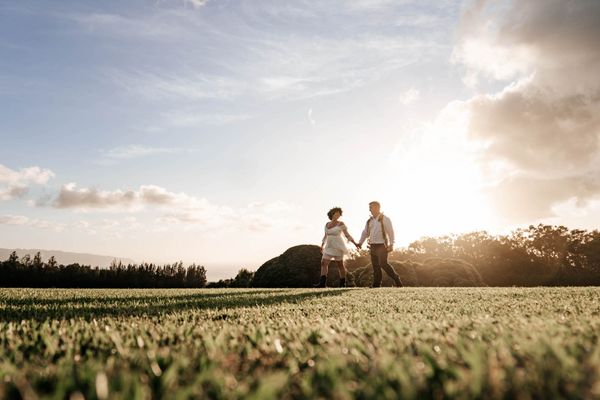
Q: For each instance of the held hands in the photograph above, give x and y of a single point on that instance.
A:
(358, 246)
(390, 248)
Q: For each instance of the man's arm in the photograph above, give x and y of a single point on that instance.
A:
(389, 229)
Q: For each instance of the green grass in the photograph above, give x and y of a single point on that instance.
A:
(300, 343)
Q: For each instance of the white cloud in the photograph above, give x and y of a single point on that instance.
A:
(121, 25)
(136, 151)
(256, 217)
(15, 184)
(271, 50)
(410, 96)
(177, 208)
(70, 196)
(543, 128)
(13, 192)
(13, 220)
(21, 220)
(29, 174)
(196, 3)
(302, 68)
(312, 121)
(108, 227)
(272, 67)
(365, 5)
(177, 86)
(190, 118)
(421, 21)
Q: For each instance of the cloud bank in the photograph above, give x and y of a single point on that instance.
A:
(541, 132)
(175, 208)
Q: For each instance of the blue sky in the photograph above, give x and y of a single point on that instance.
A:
(235, 125)
(218, 90)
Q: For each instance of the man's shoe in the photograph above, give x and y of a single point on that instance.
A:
(342, 282)
(322, 282)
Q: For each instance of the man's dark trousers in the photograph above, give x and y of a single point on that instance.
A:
(379, 255)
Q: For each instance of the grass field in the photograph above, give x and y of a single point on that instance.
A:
(300, 343)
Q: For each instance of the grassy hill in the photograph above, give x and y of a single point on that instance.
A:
(300, 343)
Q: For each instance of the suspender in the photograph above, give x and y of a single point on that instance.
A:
(380, 219)
(385, 238)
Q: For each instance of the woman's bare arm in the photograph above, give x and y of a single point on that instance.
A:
(347, 234)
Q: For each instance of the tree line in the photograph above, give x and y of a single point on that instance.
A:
(537, 255)
(34, 272)
(533, 256)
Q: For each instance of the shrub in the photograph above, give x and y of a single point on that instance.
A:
(405, 269)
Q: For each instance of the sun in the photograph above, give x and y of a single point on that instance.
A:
(437, 182)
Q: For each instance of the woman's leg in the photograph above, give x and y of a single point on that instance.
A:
(324, 266)
(323, 278)
(342, 268)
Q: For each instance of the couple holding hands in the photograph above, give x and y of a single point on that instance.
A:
(380, 234)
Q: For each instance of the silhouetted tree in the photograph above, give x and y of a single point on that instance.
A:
(25, 272)
(221, 283)
(13, 257)
(243, 279)
(536, 255)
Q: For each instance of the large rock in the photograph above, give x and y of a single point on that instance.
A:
(298, 266)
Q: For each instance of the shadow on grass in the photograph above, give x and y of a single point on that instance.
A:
(71, 296)
(91, 307)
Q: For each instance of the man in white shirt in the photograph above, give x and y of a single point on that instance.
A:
(380, 233)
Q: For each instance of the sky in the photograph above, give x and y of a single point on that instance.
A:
(221, 132)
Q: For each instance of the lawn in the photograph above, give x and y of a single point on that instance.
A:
(300, 343)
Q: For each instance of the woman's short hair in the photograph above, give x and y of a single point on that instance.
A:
(333, 211)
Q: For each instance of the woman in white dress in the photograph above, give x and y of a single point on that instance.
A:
(334, 247)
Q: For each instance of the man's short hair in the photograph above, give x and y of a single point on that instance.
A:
(375, 203)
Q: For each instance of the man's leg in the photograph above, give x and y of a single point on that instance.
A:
(388, 268)
(376, 267)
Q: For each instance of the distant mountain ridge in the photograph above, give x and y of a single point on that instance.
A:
(66, 257)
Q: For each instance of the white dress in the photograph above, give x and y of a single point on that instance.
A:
(334, 245)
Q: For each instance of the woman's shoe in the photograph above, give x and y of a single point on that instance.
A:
(342, 282)
(322, 282)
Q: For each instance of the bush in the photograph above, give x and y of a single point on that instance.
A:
(447, 272)
(220, 284)
(432, 272)
(405, 269)
(243, 279)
